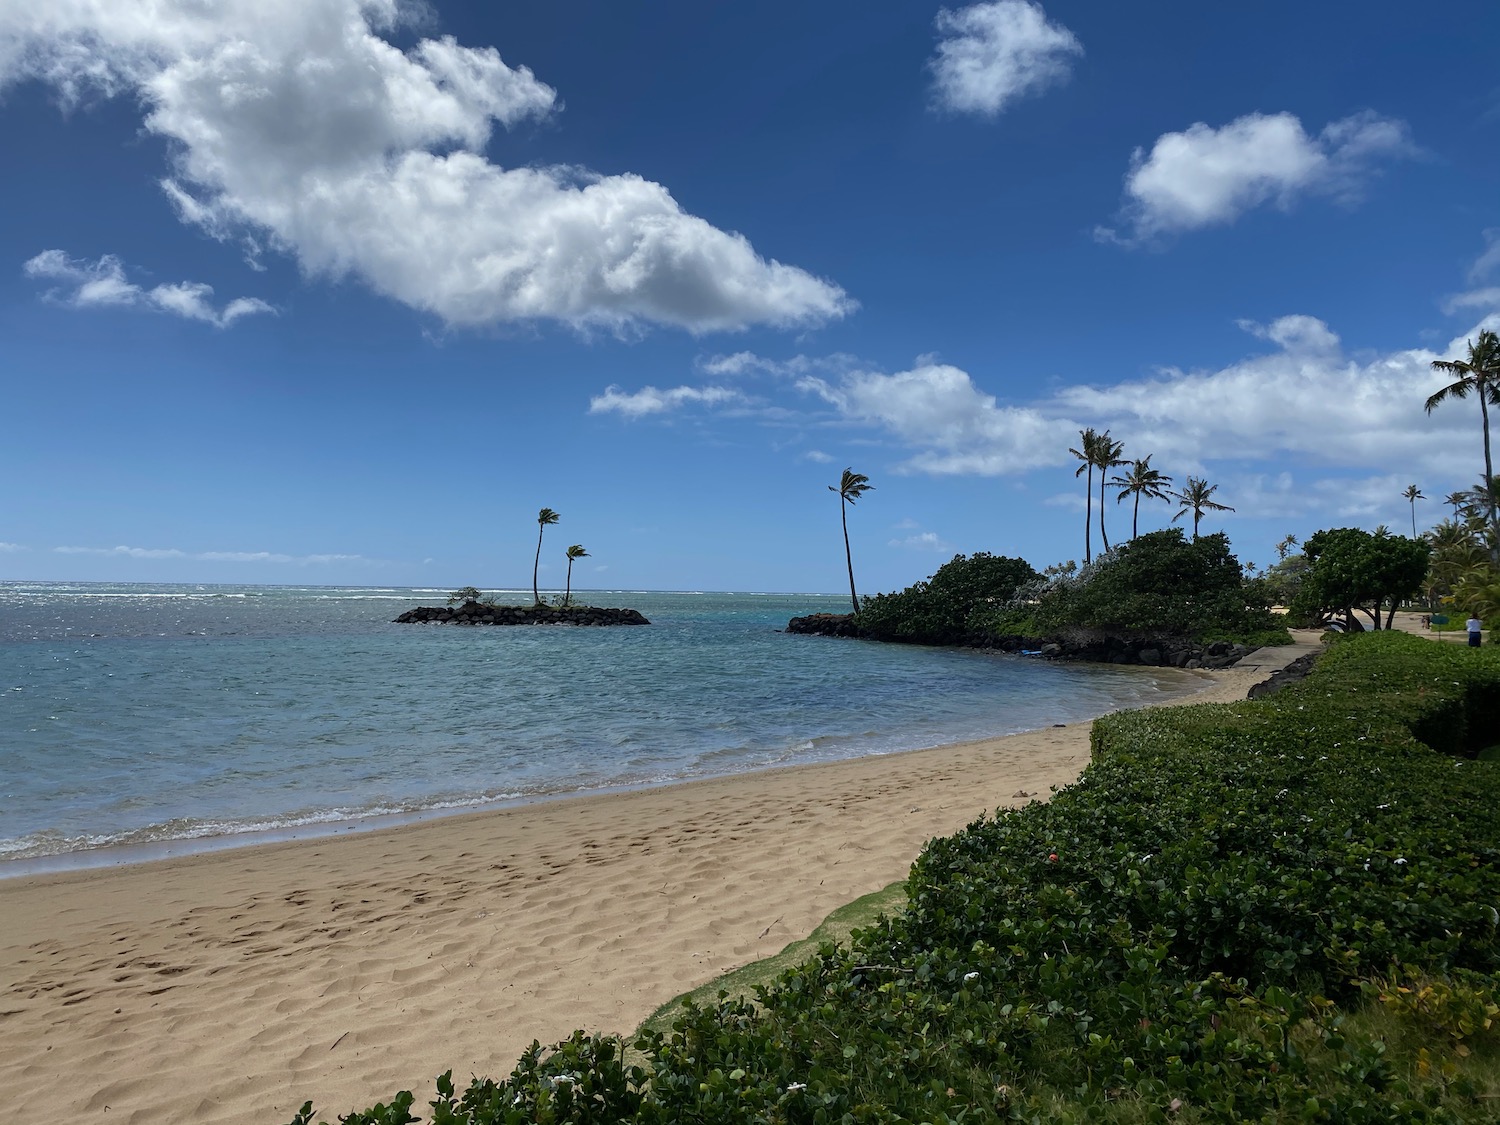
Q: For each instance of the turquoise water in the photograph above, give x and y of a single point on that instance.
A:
(135, 714)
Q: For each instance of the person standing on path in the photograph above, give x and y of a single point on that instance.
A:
(1476, 631)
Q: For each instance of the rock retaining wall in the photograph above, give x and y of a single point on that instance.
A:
(1099, 648)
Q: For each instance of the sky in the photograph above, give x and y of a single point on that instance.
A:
(345, 291)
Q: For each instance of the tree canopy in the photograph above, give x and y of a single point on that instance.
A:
(1352, 569)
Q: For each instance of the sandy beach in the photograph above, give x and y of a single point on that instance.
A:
(231, 986)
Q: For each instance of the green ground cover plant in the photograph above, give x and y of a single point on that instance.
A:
(1279, 910)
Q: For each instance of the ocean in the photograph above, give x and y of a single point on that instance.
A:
(140, 720)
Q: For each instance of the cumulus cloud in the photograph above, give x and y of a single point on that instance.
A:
(102, 284)
(990, 55)
(295, 126)
(208, 556)
(650, 400)
(1205, 177)
(956, 427)
(1305, 402)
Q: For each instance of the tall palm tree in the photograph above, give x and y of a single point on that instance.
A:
(1106, 457)
(1413, 494)
(1196, 497)
(543, 518)
(1457, 500)
(576, 551)
(850, 488)
(1479, 373)
(1088, 444)
(1141, 480)
(1284, 548)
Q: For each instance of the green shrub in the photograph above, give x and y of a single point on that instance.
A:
(1159, 583)
(943, 609)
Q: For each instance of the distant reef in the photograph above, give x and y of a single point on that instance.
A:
(1076, 644)
(477, 613)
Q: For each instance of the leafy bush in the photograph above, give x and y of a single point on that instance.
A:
(1158, 583)
(942, 609)
(1208, 926)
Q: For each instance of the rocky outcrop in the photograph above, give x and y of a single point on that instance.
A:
(1093, 646)
(477, 613)
(825, 625)
(1291, 674)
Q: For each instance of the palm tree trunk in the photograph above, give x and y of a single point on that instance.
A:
(1103, 535)
(1414, 517)
(1197, 515)
(536, 563)
(1489, 468)
(1135, 520)
(848, 557)
(568, 590)
(1088, 521)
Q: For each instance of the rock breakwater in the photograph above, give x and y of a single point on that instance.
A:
(477, 613)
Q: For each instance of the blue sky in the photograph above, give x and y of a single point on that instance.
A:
(322, 291)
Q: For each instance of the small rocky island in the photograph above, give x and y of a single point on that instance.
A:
(481, 613)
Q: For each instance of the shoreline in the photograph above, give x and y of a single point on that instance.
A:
(130, 851)
(230, 986)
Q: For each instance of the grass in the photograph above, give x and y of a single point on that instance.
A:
(741, 983)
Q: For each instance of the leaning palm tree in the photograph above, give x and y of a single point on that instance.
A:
(1106, 457)
(1087, 452)
(850, 488)
(1479, 373)
(1141, 480)
(1413, 494)
(543, 518)
(576, 551)
(1196, 497)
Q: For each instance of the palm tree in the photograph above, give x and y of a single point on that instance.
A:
(1141, 480)
(1479, 373)
(1457, 499)
(576, 551)
(1088, 443)
(850, 488)
(1284, 548)
(1413, 494)
(1196, 498)
(543, 518)
(1106, 457)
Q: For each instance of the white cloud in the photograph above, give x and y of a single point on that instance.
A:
(956, 427)
(11, 548)
(650, 400)
(995, 53)
(295, 126)
(1205, 177)
(1487, 298)
(209, 556)
(818, 456)
(925, 541)
(102, 284)
(1305, 403)
(1485, 264)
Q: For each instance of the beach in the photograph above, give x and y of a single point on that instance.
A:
(231, 986)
